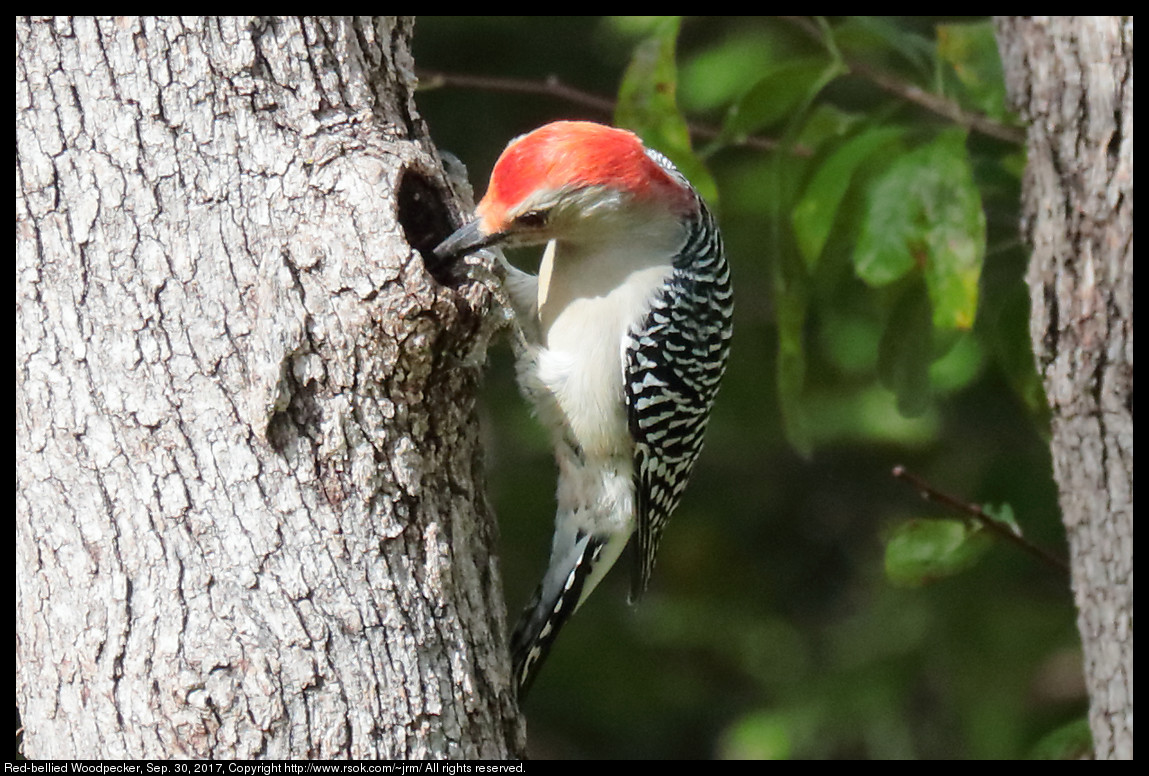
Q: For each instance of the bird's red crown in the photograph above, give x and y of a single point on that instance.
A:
(575, 154)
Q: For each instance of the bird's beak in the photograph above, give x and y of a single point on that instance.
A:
(467, 239)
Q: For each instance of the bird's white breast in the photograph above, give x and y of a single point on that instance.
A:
(587, 302)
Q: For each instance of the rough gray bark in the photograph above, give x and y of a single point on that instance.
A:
(249, 510)
(1071, 79)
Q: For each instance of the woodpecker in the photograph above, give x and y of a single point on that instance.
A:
(624, 337)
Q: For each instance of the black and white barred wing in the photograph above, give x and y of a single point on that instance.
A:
(674, 363)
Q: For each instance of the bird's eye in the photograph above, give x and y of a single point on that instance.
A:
(532, 219)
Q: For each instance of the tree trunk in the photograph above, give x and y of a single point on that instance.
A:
(1071, 79)
(249, 513)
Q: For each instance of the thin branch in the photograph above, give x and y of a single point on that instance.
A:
(998, 528)
(937, 104)
(553, 87)
(907, 91)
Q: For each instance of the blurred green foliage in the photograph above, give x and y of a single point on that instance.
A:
(805, 605)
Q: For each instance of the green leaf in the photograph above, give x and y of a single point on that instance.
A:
(825, 124)
(971, 50)
(1004, 515)
(715, 77)
(878, 38)
(791, 295)
(922, 551)
(780, 94)
(760, 736)
(647, 104)
(1014, 350)
(814, 215)
(925, 212)
(906, 351)
(958, 360)
(790, 313)
(1068, 742)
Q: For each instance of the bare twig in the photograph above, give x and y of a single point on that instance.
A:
(937, 104)
(907, 91)
(553, 87)
(998, 528)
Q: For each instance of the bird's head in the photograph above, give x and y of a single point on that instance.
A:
(570, 180)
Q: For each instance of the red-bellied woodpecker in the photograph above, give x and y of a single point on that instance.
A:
(626, 331)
